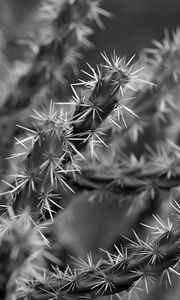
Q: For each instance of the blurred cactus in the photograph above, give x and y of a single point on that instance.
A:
(97, 173)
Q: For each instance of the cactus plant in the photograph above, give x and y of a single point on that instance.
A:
(111, 150)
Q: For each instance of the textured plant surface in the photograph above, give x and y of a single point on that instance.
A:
(90, 203)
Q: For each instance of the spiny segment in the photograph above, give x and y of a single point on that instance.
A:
(129, 268)
(60, 136)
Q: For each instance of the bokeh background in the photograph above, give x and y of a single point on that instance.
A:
(134, 24)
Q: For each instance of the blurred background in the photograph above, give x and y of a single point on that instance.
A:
(134, 24)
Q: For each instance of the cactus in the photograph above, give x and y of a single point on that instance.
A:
(58, 47)
(110, 149)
